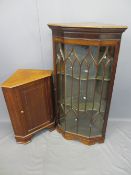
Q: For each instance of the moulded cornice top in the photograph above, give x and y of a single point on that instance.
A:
(86, 25)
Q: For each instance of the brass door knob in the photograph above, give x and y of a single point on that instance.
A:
(22, 112)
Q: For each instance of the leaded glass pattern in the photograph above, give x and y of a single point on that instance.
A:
(83, 77)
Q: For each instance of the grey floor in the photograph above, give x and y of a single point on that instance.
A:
(50, 154)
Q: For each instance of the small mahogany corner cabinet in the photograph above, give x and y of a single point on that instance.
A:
(85, 60)
(29, 101)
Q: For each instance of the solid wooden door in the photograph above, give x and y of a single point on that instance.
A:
(36, 109)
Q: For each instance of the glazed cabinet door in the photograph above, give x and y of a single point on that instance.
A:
(83, 74)
(36, 109)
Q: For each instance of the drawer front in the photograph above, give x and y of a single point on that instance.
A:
(36, 104)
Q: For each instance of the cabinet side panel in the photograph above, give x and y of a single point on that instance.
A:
(49, 98)
(12, 106)
(55, 78)
(117, 47)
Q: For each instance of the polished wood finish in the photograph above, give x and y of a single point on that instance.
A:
(86, 42)
(88, 141)
(86, 25)
(86, 34)
(29, 102)
(24, 76)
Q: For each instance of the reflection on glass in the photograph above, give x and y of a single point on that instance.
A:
(83, 77)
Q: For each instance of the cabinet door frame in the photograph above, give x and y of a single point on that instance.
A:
(89, 42)
(47, 103)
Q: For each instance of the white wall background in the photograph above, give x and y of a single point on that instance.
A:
(25, 39)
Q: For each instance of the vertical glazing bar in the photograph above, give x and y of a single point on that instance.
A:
(103, 75)
(60, 79)
(93, 102)
(72, 84)
(65, 92)
(87, 76)
(102, 83)
(65, 83)
(96, 67)
(78, 100)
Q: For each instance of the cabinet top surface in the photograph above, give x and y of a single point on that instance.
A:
(23, 76)
(86, 25)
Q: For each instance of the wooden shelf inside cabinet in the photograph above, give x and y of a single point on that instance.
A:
(28, 95)
(84, 78)
(85, 57)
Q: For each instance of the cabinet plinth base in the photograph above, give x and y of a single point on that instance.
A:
(52, 128)
(23, 140)
(27, 138)
(85, 140)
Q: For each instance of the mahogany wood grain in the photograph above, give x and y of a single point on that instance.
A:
(29, 102)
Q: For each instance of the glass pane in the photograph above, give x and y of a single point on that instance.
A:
(60, 80)
(84, 74)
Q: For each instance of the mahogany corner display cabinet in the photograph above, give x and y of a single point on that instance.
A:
(29, 100)
(85, 60)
